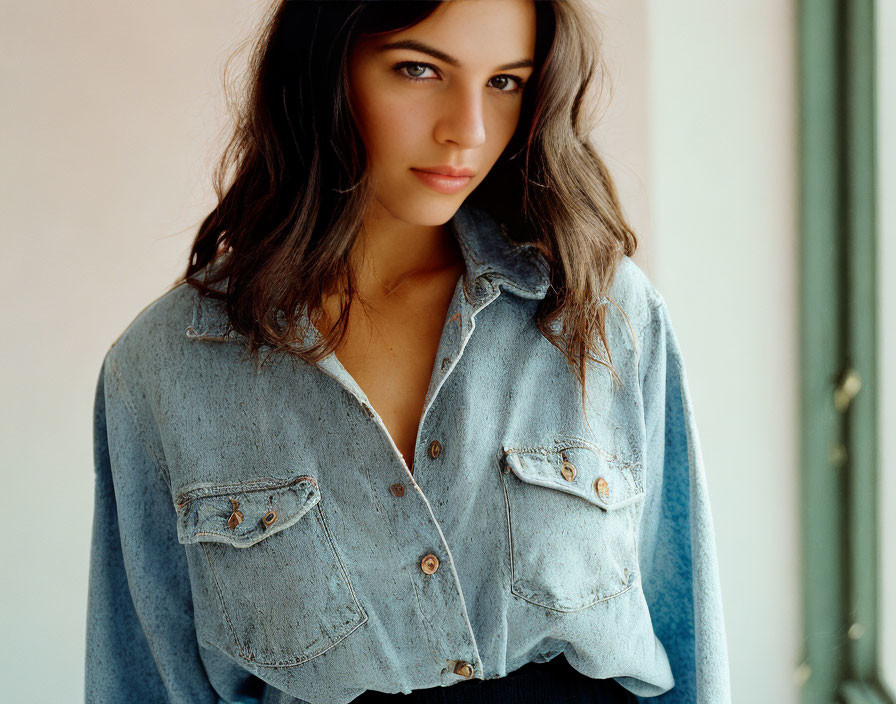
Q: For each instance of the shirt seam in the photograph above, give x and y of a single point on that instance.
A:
(653, 306)
(160, 465)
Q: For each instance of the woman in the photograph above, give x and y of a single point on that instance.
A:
(412, 426)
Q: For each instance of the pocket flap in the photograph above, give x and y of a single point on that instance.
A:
(243, 513)
(582, 470)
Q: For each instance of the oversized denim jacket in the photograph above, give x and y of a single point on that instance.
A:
(258, 537)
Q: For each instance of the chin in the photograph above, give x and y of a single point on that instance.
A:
(426, 210)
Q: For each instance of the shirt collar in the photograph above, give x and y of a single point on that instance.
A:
(490, 253)
(490, 256)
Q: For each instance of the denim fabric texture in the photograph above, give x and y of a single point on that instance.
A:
(248, 545)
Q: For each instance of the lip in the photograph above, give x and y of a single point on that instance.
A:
(447, 170)
(444, 183)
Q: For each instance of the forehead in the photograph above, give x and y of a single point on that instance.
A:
(469, 33)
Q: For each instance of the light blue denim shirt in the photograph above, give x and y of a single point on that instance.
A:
(257, 535)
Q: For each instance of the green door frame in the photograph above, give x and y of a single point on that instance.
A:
(838, 344)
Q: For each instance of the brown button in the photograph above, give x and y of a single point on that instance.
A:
(236, 517)
(435, 449)
(269, 518)
(602, 488)
(463, 668)
(568, 470)
(504, 464)
(397, 489)
(429, 564)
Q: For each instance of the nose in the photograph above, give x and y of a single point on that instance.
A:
(461, 119)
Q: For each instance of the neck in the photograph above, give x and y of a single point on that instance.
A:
(390, 253)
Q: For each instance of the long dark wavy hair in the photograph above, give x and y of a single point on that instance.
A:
(293, 188)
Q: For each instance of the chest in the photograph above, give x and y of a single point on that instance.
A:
(390, 349)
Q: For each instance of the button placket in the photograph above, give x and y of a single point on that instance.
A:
(429, 564)
(463, 668)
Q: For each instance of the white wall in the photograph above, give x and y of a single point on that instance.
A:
(623, 135)
(724, 191)
(107, 143)
(109, 110)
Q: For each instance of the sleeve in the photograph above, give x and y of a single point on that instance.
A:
(677, 554)
(141, 642)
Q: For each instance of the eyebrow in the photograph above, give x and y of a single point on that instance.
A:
(416, 45)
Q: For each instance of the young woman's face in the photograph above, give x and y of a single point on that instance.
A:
(443, 93)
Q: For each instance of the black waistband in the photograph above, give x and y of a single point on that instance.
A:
(552, 682)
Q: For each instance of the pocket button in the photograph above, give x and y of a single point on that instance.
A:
(602, 488)
(269, 518)
(568, 470)
(236, 517)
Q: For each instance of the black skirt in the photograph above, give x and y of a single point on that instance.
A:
(552, 682)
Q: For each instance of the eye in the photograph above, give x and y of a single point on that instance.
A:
(416, 68)
(398, 68)
(506, 78)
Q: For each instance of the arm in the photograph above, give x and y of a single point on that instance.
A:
(677, 551)
(141, 642)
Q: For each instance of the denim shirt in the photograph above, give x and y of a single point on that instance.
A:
(258, 536)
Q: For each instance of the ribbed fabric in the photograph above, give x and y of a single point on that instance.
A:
(552, 682)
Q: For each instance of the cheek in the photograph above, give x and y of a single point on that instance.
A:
(499, 132)
(393, 129)
(507, 122)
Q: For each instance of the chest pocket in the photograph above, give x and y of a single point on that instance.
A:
(572, 512)
(268, 581)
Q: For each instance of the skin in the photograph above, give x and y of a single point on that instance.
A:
(407, 262)
(459, 115)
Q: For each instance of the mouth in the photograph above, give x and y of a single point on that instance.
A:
(443, 183)
(448, 170)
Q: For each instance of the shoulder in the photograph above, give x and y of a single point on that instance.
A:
(156, 331)
(634, 293)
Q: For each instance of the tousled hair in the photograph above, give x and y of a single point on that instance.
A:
(292, 185)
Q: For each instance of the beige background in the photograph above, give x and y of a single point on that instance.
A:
(108, 131)
(724, 188)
